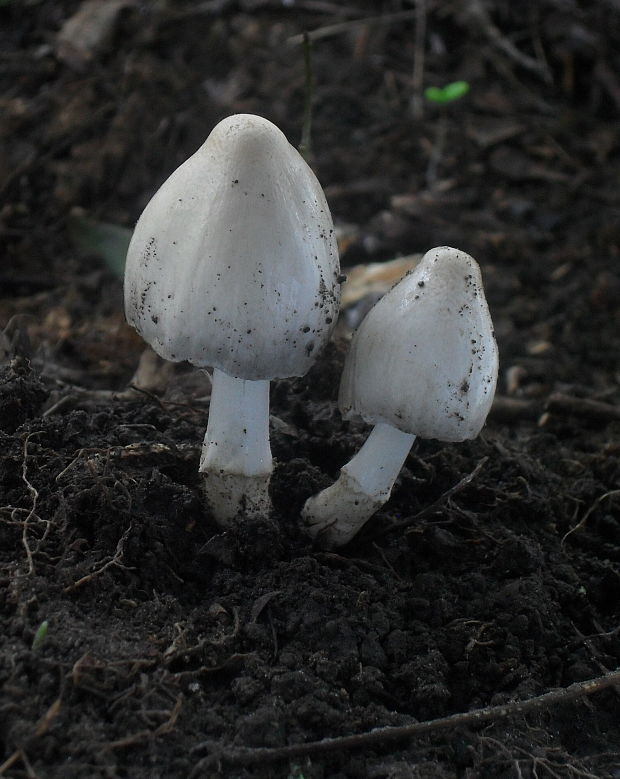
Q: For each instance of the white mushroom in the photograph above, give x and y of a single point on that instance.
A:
(234, 265)
(422, 363)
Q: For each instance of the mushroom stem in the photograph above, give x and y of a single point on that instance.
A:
(236, 458)
(337, 513)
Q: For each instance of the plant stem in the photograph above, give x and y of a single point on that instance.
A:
(305, 144)
(338, 513)
(437, 150)
(236, 457)
(417, 77)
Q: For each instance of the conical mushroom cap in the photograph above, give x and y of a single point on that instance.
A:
(424, 359)
(234, 262)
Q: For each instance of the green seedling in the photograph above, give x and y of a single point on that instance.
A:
(447, 94)
(442, 97)
(40, 636)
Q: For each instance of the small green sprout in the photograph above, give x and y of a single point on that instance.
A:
(40, 636)
(447, 94)
(442, 96)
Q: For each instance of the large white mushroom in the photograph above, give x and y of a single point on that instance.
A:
(234, 265)
(422, 363)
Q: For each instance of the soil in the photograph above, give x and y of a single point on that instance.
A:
(139, 640)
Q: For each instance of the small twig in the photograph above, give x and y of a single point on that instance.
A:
(85, 450)
(146, 735)
(602, 633)
(479, 16)
(595, 654)
(10, 761)
(323, 7)
(464, 482)
(74, 395)
(507, 409)
(114, 560)
(567, 769)
(591, 510)
(417, 76)
(34, 494)
(513, 409)
(230, 662)
(441, 500)
(382, 736)
(437, 150)
(135, 452)
(43, 726)
(305, 144)
(343, 27)
(173, 654)
(582, 407)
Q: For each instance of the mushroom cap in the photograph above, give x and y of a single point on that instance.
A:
(424, 359)
(234, 262)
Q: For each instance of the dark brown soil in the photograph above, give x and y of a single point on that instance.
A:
(169, 643)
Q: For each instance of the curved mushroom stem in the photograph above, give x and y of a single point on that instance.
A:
(337, 513)
(236, 458)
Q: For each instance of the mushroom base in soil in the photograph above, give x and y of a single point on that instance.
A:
(364, 485)
(236, 461)
(422, 363)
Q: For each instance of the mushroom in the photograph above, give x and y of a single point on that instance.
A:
(422, 363)
(234, 265)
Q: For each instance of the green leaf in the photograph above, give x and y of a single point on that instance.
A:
(447, 94)
(434, 94)
(40, 636)
(456, 89)
(109, 241)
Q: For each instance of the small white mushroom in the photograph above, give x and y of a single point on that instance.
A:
(234, 265)
(422, 363)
